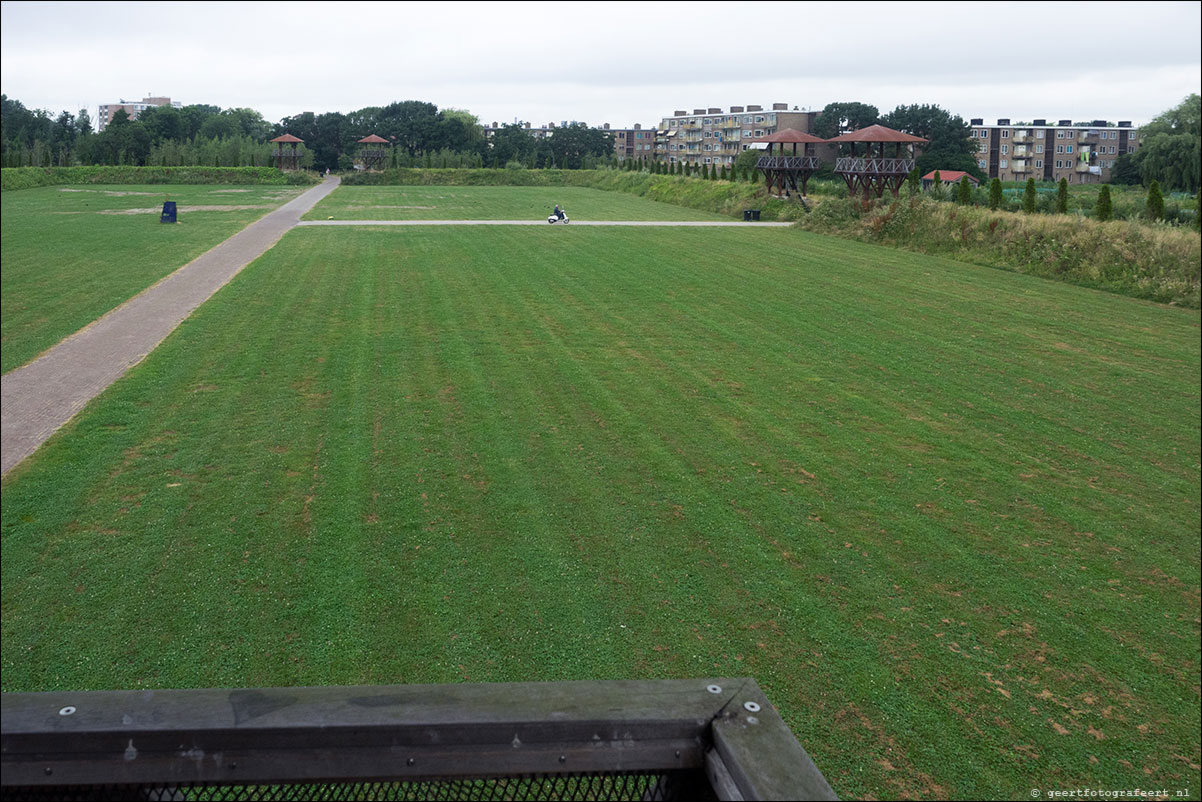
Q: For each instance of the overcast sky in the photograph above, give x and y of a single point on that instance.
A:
(621, 63)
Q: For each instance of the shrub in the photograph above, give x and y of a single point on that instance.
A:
(1029, 197)
(1104, 210)
(1062, 197)
(964, 192)
(995, 194)
(1155, 202)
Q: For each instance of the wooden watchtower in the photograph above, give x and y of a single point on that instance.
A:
(286, 159)
(788, 171)
(372, 156)
(864, 161)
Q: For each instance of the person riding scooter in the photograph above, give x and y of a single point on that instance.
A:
(559, 212)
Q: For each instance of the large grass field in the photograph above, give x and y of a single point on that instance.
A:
(71, 254)
(946, 516)
(494, 203)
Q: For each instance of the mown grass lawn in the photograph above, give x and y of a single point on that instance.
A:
(71, 254)
(946, 516)
(493, 203)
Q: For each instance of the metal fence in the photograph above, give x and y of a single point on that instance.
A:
(671, 739)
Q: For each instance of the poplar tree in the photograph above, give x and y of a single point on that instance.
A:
(1062, 197)
(995, 194)
(1029, 197)
(1155, 202)
(1104, 211)
(964, 192)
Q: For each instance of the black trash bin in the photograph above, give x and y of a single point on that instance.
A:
(168, 212)
(755, 214)
(746, 215)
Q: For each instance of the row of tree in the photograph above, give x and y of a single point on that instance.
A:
(1170, 151)
(202, 134)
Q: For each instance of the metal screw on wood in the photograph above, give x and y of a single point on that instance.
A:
(751, 707)
(66, 711)
(714, 688)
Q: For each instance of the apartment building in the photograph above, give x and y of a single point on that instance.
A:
(714, 136)
(132, 109)
(1078, 152)
(538, 132)
(632, 143)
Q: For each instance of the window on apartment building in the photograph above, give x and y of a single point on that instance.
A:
(1003, 164)
(1005, 134)
(1038, 164)
(1058, 164)
(1005, 148)
(1039, 134)
(1060, 135)
(1068, 149)
(984, 165)
(759, 119)
(984, 147)
(1112, 148)
(746, 133)
(1060, 148)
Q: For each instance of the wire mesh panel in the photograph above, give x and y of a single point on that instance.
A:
(649, 787)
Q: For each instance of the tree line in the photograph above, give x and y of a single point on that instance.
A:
(420, 134)
(423, 135)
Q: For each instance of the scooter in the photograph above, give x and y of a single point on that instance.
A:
(555, 219)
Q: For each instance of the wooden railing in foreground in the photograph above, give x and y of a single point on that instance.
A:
(677, 739)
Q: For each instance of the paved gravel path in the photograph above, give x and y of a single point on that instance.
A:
(535, 223)
(38, 398)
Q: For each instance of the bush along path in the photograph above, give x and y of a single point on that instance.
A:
(40, 397)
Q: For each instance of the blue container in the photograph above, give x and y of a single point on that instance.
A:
(168, 212)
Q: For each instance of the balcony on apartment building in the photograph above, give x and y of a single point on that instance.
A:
(1090, 136)
(1021, 138)
(1020, 166)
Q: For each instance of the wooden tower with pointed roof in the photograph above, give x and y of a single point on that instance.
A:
(784, 172)
(870, 170)
(286, 159)
(372, 156)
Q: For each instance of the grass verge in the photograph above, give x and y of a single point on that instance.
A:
(71, 254)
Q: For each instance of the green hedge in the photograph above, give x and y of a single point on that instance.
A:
(13, 178)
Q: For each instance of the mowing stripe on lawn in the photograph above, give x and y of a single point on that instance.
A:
(947, 516)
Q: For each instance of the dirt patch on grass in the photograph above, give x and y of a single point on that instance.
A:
(361, 208)
(186, 209)
(112, 193)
